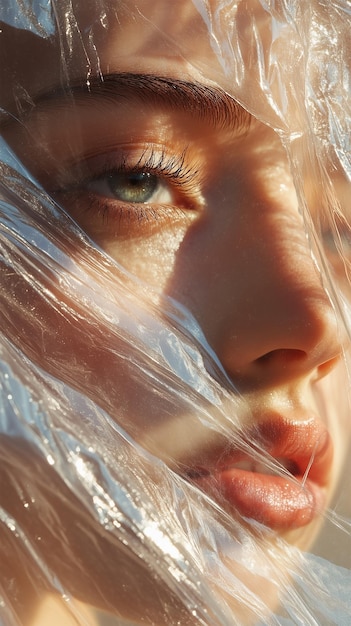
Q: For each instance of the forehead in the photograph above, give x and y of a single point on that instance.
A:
(225, 45)
(155, 37)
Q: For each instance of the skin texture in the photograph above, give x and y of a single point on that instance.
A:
(232, 242)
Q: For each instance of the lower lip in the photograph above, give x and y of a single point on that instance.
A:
(279, 502)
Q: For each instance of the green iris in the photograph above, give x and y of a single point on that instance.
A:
(132, 186)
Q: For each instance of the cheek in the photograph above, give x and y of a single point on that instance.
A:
(93, 329)
(333, 405)
(149, 258)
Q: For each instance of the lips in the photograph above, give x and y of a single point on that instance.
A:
(281, 483)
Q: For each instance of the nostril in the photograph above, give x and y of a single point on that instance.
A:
(284, 357)
(326, 367)
(274, 367)
(277, 367)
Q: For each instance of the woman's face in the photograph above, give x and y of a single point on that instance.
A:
(191, 194)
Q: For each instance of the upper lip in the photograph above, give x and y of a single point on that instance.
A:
(304, 448)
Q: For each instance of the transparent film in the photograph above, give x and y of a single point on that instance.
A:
(175, 313)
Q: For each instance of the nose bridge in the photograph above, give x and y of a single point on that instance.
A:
(247, 274)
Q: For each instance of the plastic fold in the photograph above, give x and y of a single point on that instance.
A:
(127, 397)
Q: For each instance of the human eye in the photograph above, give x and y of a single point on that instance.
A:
(137, 187)
(130, 191)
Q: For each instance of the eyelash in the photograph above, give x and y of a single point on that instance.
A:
(172, 168)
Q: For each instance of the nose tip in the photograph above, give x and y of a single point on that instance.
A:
(292, 333)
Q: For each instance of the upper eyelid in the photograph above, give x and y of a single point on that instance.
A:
(152, 159)
(186, 178)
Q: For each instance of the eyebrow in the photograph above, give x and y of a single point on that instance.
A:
(209, 103)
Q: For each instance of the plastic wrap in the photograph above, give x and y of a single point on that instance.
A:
(175, 312)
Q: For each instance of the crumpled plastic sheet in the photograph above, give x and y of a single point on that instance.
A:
(93, 517)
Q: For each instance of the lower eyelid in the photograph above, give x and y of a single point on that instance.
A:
(106, 220)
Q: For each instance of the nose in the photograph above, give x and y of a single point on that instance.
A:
(282, 324)
(258, 295)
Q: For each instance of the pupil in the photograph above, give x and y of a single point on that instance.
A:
(133, 186)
